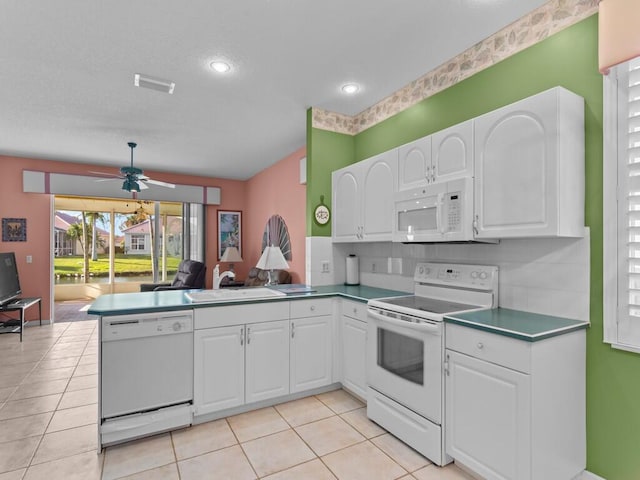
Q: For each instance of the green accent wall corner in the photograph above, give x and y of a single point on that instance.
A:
(326, 152)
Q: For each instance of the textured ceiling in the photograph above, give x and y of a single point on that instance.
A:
(67, 67)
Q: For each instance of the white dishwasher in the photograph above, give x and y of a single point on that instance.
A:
(146, 374)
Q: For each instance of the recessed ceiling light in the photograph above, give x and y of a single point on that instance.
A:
(220, 66)
(350, 88)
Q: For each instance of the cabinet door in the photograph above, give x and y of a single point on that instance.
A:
(354, 355)
(310, 353)
(452, 152)
(378, 180)
(414, 164)
(345, 220)
(517, 174)
(218, 369)
(267, 360)
(488, 418)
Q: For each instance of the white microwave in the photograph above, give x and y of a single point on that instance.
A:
(440, 212)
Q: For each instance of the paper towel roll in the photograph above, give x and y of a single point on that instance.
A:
(353, 271)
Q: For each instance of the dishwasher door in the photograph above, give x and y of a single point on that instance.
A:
(146, 363)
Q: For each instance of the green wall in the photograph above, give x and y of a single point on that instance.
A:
(326, 152)
(569, 59)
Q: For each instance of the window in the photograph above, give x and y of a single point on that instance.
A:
(622, 206)
(137, 242)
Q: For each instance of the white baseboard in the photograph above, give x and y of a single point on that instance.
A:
(587, 475)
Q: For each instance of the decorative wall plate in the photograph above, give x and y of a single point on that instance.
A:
(321, 214)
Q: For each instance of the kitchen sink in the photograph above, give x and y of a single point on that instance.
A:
(232, 294)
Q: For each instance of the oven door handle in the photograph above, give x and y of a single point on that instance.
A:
(421, 327)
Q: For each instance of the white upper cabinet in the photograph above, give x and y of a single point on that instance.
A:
(452, 152)
(363, 199)
(529, 168)
(445, 155)
(414, 164)
(345, 221)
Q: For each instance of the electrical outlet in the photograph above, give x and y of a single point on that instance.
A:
(325, 266)
(29, 259)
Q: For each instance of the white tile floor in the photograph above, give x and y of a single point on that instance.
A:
(48, 430)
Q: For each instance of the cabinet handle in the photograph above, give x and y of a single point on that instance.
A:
(313, 307)
(242, 336)
(293, 330)
(446, 366)
(475, 225)
(248, 335)
(480, 346)
(433, 173)
(355, 311)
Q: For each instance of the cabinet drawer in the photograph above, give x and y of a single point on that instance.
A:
(494, 348)
(310, 308)
(355, 310)
(223, 316)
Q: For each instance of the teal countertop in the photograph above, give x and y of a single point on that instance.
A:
(526, 326)
(148, 302)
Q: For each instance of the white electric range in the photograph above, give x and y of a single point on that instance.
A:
(405, 351)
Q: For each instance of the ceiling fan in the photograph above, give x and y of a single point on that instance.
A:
(134, 178)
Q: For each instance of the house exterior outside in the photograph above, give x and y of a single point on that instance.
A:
(65, 245)
(137, 239)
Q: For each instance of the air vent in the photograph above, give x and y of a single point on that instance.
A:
(157, 84)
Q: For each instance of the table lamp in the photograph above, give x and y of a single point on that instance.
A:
(231, 254)
(271, 259)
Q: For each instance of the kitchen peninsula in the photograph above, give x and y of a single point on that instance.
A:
(167, 362)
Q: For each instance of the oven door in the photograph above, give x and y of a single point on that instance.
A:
(405, 361)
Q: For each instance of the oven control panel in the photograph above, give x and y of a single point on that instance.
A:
(473, 276)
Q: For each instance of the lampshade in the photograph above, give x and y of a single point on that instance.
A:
(272, 259)
(619, 33)
(231, 254)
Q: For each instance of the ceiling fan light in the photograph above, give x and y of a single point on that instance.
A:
(130, 185)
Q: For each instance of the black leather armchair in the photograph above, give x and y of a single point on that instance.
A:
(191, 274)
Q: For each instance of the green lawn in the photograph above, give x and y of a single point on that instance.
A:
(124, 265)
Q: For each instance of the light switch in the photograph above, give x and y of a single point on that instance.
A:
(325, 266)
(29, 259)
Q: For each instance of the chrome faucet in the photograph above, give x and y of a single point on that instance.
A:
(217, 276)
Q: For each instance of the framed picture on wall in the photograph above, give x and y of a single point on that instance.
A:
(14, 229)
(229, 231)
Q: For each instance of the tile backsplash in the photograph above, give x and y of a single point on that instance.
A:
(540, 275)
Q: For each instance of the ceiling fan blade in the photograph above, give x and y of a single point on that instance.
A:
(107, 179)
(142, 185)
(115, 175)
(159, 183)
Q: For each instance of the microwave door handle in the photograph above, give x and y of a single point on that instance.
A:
(421, 327)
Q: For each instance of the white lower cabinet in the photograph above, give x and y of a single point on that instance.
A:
(218, 369)
(252, 362)
(310, 353)
(488, 417)
(514, 409)
(240, 364)
(354, 347)
(267, 360)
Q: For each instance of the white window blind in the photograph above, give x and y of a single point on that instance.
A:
(622, 209)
